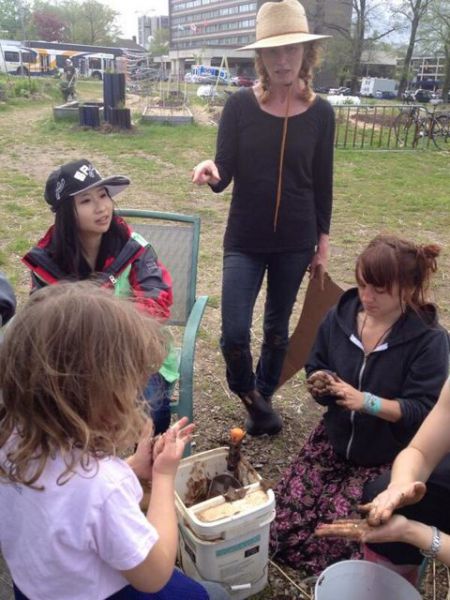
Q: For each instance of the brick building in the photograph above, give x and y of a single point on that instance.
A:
(205, 31)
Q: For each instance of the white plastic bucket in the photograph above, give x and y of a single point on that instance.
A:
(211, 463)
(362, 580)
(232, 549)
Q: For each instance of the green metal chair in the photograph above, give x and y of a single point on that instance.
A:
(175, 238)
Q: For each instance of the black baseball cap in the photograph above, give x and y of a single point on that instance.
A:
(79, 176)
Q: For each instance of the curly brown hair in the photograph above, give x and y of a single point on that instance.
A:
(72, 368)
(311, 59)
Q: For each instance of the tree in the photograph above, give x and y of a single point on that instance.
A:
(413, 11)
(338, 59)
(99, 22)
(160, 42)
(86, 22)
(48, 26)
(14, 18)
(434, 36)
(368, 15)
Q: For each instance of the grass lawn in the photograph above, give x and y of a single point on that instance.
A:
(404, 192)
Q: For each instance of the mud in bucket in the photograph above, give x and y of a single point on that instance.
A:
(362, 580)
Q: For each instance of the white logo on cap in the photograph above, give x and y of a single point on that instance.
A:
(59, 188)
(86, 171)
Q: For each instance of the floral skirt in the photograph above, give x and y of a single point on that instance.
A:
(318, 487)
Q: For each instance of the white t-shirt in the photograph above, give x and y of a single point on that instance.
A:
(68, 542)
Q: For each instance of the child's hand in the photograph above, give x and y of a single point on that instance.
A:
(169, 448)
(141, 460)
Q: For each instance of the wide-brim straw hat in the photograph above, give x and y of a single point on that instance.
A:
(281, 24)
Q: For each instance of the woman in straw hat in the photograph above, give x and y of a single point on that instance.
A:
(275, 141)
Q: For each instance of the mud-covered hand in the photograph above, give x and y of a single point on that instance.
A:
(361, 531)
(168, 449)
(395, 496)
(347, 396)
(319, 383)
(141, 460)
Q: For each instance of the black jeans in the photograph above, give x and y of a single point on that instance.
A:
(433, 509)
(243, 274)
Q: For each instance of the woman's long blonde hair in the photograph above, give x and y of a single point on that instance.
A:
(72, 366)
(311, 59)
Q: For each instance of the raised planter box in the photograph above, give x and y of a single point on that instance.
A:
(178, 116)
(69, 111)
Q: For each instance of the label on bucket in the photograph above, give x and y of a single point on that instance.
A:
(245, 544)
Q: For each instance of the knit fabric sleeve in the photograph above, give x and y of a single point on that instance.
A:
(319, 358)
(323, 169)
(151, 284)
(227, 143)
(426, 376)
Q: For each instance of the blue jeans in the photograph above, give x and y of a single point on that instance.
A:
(157, 393)
(243, 275)
(178, 586)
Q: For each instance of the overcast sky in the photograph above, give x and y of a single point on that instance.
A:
(130, 10)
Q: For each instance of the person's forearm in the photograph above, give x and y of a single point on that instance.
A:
(389, 410)
(161, 513)
(421, 535)
(409, 466)
(323, 243)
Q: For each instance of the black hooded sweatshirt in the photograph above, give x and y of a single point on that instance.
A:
(410, 366)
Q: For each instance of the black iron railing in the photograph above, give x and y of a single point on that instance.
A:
(392, 127)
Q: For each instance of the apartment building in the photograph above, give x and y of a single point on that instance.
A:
(429, 71)
(206, 31)
(147, 26)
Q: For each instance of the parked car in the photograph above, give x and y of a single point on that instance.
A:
(385, 95)
(340, 91)
(322, 90)
(242, 81)
(423, 96)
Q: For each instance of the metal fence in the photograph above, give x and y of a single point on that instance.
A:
(392, 127)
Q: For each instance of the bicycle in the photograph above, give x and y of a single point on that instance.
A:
(416, 126)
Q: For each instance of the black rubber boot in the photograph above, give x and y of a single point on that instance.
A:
(261, 416)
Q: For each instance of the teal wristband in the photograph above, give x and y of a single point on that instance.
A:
(372, 404)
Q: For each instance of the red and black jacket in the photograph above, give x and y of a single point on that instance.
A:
(150, 282)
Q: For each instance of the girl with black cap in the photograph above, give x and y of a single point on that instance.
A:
(88, 240)
(275, 141)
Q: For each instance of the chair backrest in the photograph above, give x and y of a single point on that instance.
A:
(175, 238)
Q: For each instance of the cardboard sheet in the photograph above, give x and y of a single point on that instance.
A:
(322, 293)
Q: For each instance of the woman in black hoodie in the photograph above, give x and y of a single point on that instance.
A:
(378, 363)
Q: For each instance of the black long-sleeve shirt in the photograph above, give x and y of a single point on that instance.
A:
(248, 151)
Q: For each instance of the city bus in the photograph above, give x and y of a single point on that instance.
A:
(48, 58)
(15, 58)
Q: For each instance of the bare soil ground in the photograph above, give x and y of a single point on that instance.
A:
(215, 409)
